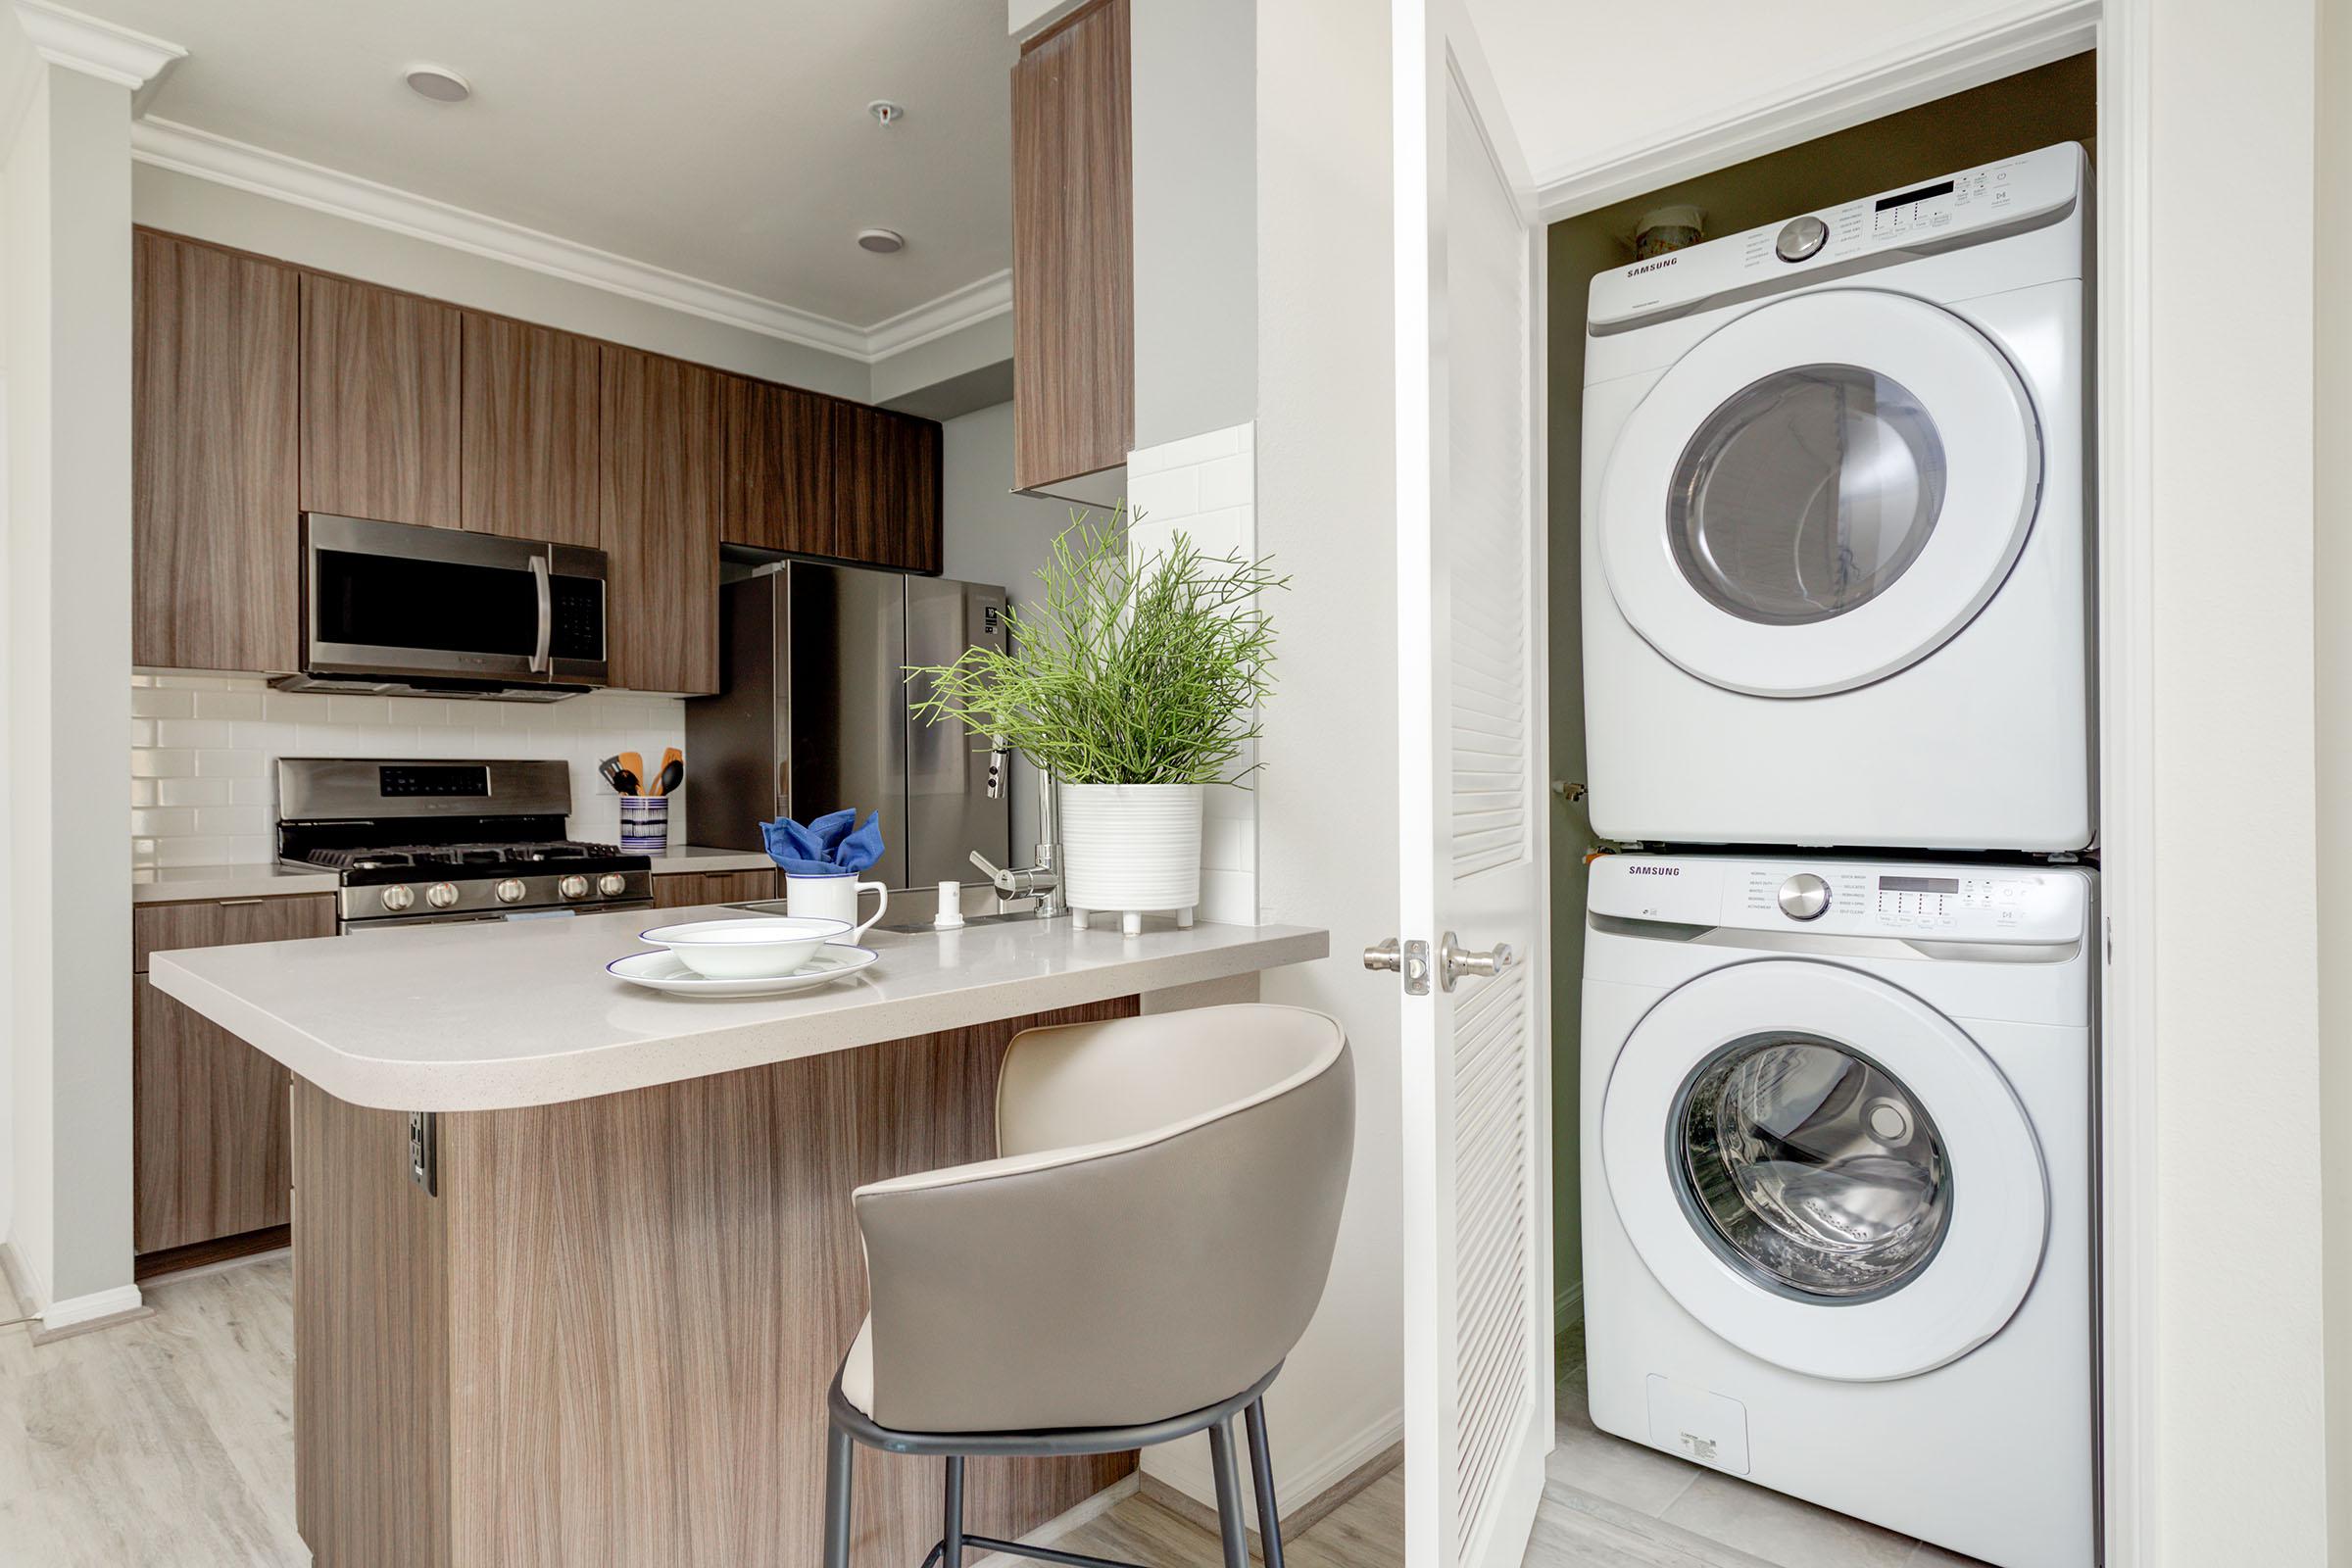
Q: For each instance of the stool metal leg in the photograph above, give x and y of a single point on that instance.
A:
(1261, 1475)
(950, 1539)
(840, 1455)
(1230, 1523)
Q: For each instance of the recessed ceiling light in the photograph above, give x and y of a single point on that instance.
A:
(882, 241)
(439, 84)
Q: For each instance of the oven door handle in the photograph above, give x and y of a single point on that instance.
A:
(541, 664)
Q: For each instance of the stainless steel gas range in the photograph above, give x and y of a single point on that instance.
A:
(421, 841)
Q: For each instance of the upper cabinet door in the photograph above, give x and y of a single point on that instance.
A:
(890, 489)
(780, 467)
(1073, 251)
(379, 404)
(660, 502)
(215, 476)
(528, 441)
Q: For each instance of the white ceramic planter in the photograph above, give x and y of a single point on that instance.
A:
(1133, 849)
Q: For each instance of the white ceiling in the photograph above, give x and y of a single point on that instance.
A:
(727, 140)
(1584, 84)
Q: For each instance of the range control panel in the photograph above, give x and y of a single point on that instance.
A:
(2012, 192)
(1847, 897)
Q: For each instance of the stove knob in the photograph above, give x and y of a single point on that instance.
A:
(611, 883)
(510, 891)
(397, 899)
(573, 887)
(1805, 897)
(441, 895)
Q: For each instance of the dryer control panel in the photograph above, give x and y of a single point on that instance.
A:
(1914, 901)
(2012, 193)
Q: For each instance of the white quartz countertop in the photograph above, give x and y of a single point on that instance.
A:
(493, 1016)
(176, 884)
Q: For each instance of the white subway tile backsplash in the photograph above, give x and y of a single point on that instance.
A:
(1207, 486)
(204, 786)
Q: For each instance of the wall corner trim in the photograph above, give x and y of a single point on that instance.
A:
(97, 48)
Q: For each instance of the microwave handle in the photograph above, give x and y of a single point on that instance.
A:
(541, 664)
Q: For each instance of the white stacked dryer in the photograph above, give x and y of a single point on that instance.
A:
(1836, 582)
(1838, 1177)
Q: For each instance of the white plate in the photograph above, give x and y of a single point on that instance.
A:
(667, 971)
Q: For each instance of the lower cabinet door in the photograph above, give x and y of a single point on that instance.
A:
(684, 890)
(211, 1134)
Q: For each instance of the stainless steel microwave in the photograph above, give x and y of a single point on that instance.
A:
(392, 608)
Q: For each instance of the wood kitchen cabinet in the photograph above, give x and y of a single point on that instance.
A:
(683, 890)
(529, 429)
(781, 483)
(1073, 250)
(379, 402)
(214, 467)
(889, 472)
(662, 453)
(210, 1155)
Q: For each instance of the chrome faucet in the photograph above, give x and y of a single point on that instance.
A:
(1043, 880)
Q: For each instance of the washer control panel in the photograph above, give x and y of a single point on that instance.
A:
(2011, 193)
(1918, 902)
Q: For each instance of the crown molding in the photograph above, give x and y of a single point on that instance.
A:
(186, 149)
(951, 312)
(98, 48)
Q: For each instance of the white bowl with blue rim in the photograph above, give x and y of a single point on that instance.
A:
(765, 947)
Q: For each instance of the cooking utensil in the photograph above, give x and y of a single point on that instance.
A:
(610, 767)
(634, 766)
(673, 774)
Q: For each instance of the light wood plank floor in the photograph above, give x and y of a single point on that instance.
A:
(171, 1441)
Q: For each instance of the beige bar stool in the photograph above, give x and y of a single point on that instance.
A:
(1131, 1269)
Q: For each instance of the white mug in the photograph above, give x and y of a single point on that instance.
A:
(833, 898)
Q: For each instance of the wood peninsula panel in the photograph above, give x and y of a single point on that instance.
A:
(641, 1301)
(527, 443)
(379, 402)
(209, 1117)
(1073, 250)
(682, 890)
(780, 467)
(890, 489)
(216, 475)
(371, 1370)
(662, 452)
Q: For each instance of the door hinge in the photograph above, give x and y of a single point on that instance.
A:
(425, 1150)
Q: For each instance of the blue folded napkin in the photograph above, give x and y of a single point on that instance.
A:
(826, 846)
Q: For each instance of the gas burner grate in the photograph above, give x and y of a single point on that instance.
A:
(369, 858)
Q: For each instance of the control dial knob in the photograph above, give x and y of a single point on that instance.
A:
(1805, 897)
(1800, 237)
(573, 887)
(398, 899)
(441, 895)
(611, 883)
(510, 889)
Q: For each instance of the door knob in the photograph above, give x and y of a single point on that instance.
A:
(1455, 961)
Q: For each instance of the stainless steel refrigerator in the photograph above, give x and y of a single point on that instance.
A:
(812, 717)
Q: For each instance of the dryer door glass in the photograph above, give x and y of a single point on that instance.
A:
(1811, 1168)
(1805, 494)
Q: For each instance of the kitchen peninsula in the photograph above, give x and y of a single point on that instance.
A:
(574, 1262)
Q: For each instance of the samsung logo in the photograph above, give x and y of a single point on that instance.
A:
(1654, 870)
(1652, 266)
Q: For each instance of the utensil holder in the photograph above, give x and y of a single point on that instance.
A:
(645, 824)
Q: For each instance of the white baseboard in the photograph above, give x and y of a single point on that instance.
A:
(82, 1311)
(1061, 1525)
(1184, 1466)
(22, 1282)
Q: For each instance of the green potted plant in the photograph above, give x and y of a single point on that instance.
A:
(1134, 683)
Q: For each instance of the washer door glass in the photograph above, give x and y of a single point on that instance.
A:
(1811, 1168)
(1807, 493)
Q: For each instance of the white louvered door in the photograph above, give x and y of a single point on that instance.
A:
(1472, 849)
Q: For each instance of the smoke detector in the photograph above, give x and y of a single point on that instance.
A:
(886, 114)
(439, 84)
(881, 241)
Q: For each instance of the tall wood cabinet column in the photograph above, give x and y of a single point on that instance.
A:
(660, 503)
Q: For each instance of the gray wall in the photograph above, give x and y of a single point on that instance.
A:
(998, 537)
(1195, 78)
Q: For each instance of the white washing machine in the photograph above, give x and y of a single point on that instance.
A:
(1837, 584)
(1837, 1186)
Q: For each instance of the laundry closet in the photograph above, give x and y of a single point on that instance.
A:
(1824, 885)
